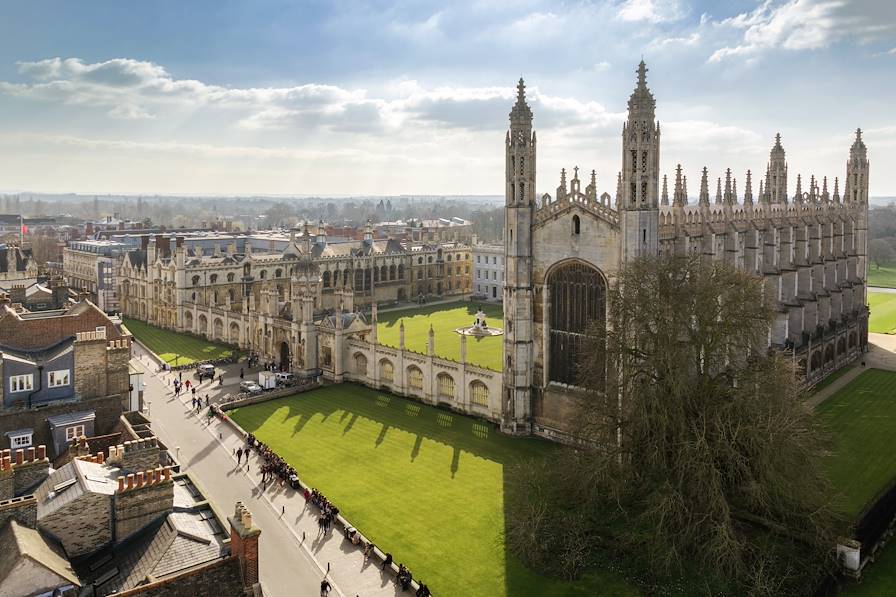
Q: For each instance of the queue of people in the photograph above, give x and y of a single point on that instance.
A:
(274, 467)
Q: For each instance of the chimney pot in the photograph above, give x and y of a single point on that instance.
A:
(30, 457)
(41, 452)
(130, 481)
(100, 457)
(140, 479)
(20, 456)
(120, 484)
(167, 472)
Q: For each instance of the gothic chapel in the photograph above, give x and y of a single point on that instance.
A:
(561, 254)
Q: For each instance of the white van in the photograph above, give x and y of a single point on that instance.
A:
(285, 378)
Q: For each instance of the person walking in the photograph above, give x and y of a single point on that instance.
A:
(324, 588)
(387, 561)
(242, 373)
(239, 455)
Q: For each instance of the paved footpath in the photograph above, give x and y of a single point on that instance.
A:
(289, 565)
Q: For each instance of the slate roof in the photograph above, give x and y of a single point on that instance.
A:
(181, 540)
(72, 481)
(35, 355)
(20, 542)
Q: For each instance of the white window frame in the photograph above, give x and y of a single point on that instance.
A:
(21, 383)
(52, 382)
(21, 440)
(73, 432)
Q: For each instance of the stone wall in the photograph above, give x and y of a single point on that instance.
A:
(22, 509)
(22, 470)
(138, 455)
(90, 368)
(107, 409)
(81, 526)
(150, 497)
(215, 579)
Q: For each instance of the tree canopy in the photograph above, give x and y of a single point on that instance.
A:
(694, 451)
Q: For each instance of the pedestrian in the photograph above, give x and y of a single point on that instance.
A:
(387, 561)
(220, 380)
(206, 399)
(324, 588)
(180, 375)
(239, 455)
(241, 373)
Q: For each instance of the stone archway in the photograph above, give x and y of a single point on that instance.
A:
(234, 333)
(285, 364)
(203, 324)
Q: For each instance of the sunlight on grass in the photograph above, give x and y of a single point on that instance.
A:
(426, 485)
(175, 348)
(444, 319)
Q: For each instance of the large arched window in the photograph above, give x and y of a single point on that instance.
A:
(578, 297)
(445, 385)
(387, 371)
(415, 378)
(479, 393)
(360, 364)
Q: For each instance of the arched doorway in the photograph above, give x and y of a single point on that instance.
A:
(578, 295)
(284, 357)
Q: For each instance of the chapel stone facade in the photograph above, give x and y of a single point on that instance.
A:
(562, 254)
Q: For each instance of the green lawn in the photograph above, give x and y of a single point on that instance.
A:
(422, 483)
(168, 345)
(885, 276)
(862, 419)
(883, 312)
(485, 352)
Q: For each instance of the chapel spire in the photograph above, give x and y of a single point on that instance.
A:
(704, 188)
(664, 200)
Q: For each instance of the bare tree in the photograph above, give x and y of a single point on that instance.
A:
(694, 447)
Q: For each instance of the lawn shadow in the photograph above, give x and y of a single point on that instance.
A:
(475, 437)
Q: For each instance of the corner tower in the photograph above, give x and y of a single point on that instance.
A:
(519, 193)
(639, 205)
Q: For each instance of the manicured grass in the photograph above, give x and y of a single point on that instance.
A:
(861, 416)
(168, 345)
(885, 276)
(422, 483)
(879, 578)
(485, 352)
(883, 312)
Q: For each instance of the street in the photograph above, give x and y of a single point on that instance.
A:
(288, 566)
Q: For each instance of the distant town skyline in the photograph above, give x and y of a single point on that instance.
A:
(377, 98)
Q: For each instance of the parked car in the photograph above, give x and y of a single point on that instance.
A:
(285, 379)
(205, 371)
(250, 387)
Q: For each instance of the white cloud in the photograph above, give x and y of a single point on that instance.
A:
(652, 11)
(803, 25)
(130, 89)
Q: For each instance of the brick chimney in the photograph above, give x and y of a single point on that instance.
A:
(244, 544)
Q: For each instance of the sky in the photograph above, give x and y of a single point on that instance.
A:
(342, 97)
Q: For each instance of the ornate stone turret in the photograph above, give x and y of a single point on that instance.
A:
(639, 217)
(728, 196)
(321, 233)
(664, 200)
(776, 174)
(679, 196)
(704, 188)
(719, 191)
(748, 190)
(518, 288)
(857, 172)
(836, 189)
(798, 195)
